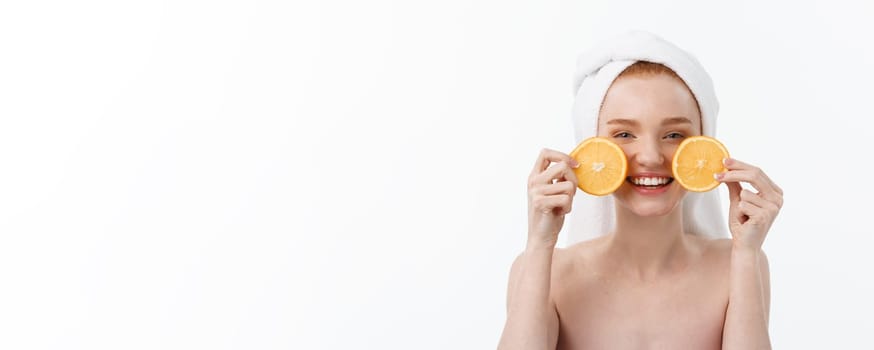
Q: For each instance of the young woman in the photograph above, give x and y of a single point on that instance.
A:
(648, 283)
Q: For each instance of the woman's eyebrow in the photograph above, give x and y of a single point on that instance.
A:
(676, 120)
(620, 121)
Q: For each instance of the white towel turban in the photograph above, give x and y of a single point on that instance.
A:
(597, 68)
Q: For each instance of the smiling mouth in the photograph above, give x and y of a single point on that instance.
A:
(649, 182)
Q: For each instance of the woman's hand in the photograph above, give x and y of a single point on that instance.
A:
(751, 214)
(551, 192)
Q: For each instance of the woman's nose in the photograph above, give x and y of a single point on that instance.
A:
(648, 155)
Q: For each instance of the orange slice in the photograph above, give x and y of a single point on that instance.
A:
(603, 166)
(696, 160)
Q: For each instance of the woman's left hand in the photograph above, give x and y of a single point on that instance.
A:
(750, 214)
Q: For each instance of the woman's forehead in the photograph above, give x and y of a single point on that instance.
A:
(659, 99)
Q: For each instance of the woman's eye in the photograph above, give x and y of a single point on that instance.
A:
(674, 135)
(623, 134)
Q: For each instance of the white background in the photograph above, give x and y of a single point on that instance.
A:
(351, 174)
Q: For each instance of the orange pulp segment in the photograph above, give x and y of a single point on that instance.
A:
(603, 166)
(695, 162)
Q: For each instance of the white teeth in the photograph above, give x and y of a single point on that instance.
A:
(650, 181)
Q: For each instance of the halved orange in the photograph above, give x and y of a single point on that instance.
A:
(603, 166)
(695, 162)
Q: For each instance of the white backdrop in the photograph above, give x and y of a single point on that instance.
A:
(351, 174)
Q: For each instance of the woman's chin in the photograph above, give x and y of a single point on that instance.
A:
(659, 208)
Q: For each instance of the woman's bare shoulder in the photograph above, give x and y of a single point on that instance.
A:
(572, 267)
(578, 256)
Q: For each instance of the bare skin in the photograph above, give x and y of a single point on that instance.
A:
(601, 304)
(648, 284)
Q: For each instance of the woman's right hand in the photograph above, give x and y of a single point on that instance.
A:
(551, 188)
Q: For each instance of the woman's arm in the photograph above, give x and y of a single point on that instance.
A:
(532, 321)
(746, 320)
(750, 216)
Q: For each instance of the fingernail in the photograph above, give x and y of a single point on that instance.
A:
(575, 164)
(718, 176)
(725, 161)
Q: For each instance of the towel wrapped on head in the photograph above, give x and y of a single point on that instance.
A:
(596, 70)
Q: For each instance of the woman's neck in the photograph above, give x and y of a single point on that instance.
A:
(648, 247)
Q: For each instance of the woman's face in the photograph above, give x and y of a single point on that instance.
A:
(648, 116)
